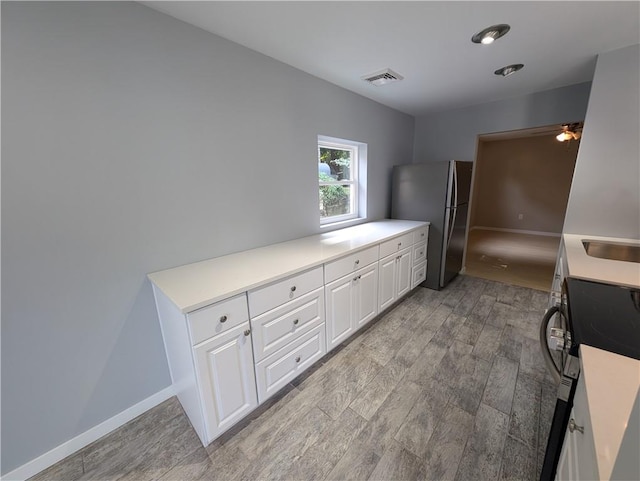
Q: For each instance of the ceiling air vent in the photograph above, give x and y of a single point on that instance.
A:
(383, 77)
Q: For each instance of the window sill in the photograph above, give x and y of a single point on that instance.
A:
(341, 224)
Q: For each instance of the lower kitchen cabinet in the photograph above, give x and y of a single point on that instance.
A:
(395, 278)
(277, 370)
(351, 302)
(224, 368)
(238, 328)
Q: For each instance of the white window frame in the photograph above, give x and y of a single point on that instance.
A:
(358, 154)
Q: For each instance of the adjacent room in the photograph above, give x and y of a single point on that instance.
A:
(520, 195)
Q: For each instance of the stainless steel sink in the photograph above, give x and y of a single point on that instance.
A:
(617, 251)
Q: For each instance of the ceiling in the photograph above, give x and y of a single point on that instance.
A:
(429, 43)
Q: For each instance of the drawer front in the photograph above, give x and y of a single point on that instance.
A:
(217, 318)
(419, 253)
(421, 234)
(277, 328)
(418, 274)
(269, 297)
(277, 370)
(396, 244)
(348, 264)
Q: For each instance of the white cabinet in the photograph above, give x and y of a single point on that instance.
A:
(419, 274)
(238, 328)
(351, 302)
(395, 278)
(211, 362)
(366, 295)
(224, 366)
(578, 456)
(601, 440)
(278, 327)
(288, 337)
(274, 372)
(268, 297)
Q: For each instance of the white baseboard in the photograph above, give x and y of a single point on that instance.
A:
(518, 231)
(58, 453)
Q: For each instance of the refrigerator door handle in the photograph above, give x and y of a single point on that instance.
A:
(455, 185)
(451, 225)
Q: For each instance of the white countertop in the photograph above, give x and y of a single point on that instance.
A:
(584, 266)
(196, 285)
(612, 382)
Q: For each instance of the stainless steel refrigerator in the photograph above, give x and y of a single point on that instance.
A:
(437, 192)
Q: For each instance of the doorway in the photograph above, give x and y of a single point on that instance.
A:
(519, 199)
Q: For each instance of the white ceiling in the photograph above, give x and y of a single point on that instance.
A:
(429, 43)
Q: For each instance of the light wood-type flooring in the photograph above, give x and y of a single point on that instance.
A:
(447, 385)
(520, 259)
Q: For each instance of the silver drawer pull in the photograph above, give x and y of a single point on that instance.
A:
(574, 427)
(247, 332)
(399, 244)
(223, 319)
(422, 234)
(293, 288)
(296, 321)
(357, 261)
(298, 359)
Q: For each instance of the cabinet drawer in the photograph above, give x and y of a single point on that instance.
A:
(348, 264)
(396, 244)
(421, 234)
(277, 370)
(217, 318)
(418, 274)
(276, 328)
(269, 297)
(419, 253)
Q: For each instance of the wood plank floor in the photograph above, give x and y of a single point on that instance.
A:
(520, 259)
(448, 385)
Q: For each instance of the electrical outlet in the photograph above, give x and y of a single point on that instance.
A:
(520, 216)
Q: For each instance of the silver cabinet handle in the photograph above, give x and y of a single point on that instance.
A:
(223, 319)
(357, 261)
(293, 288)
(355, 278)
(574, 427)
(298, 359)
(422, 234)
(247, 332)
(295, 321)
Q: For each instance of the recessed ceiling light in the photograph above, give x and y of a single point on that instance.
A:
(490, 34)
(509, 69)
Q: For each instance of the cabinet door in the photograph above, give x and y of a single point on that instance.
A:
(388, 268)
(339, 311)
(227, 379)
(366, 295)
(566, 470)
(404, 273)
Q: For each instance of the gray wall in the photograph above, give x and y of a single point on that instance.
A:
(133, 142)
(605, 195)
(529, 176)
(453, 134)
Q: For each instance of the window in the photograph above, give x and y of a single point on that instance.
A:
(339, 164)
